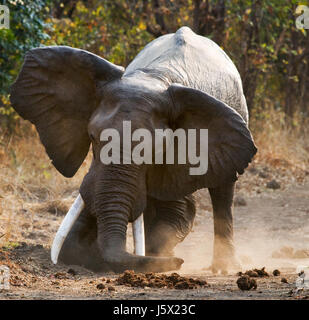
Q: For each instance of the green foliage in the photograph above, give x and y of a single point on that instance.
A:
(113, 30)
(26, 31)
(263, 41)
(10, 245)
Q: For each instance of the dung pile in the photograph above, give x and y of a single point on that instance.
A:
(246, 283)
(152, 280)
(255, 273)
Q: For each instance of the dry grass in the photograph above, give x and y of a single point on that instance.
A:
(281, 145)
(30, 184)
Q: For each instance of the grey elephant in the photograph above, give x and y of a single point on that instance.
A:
(180, 80)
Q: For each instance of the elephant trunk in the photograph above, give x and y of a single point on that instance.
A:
(116, 193)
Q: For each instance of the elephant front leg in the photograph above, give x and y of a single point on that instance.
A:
(167, 223)
(80, 247)
(224, 258)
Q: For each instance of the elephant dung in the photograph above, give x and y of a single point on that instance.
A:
(152, 280)
(246, 283)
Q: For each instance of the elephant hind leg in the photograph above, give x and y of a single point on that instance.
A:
(167, 223)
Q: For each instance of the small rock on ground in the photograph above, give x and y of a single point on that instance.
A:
(273, 184)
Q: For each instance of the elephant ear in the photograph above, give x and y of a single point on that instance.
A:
(56, 91)
(230, 144)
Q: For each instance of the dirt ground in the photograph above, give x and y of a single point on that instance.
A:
(266, 220)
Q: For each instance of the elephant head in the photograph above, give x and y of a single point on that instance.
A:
(71, 95)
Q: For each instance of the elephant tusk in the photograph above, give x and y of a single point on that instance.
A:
(65, 227)
(139, 236)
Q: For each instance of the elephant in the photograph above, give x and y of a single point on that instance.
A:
(179, 80)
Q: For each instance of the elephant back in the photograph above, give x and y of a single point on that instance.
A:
(196, 62)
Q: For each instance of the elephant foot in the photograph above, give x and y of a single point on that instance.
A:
(224, 266)
(224, 257)
(126, 261)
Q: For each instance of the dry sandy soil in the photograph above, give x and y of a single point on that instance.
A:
(270, 219)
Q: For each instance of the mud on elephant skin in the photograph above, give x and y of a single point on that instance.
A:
(179, 80)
